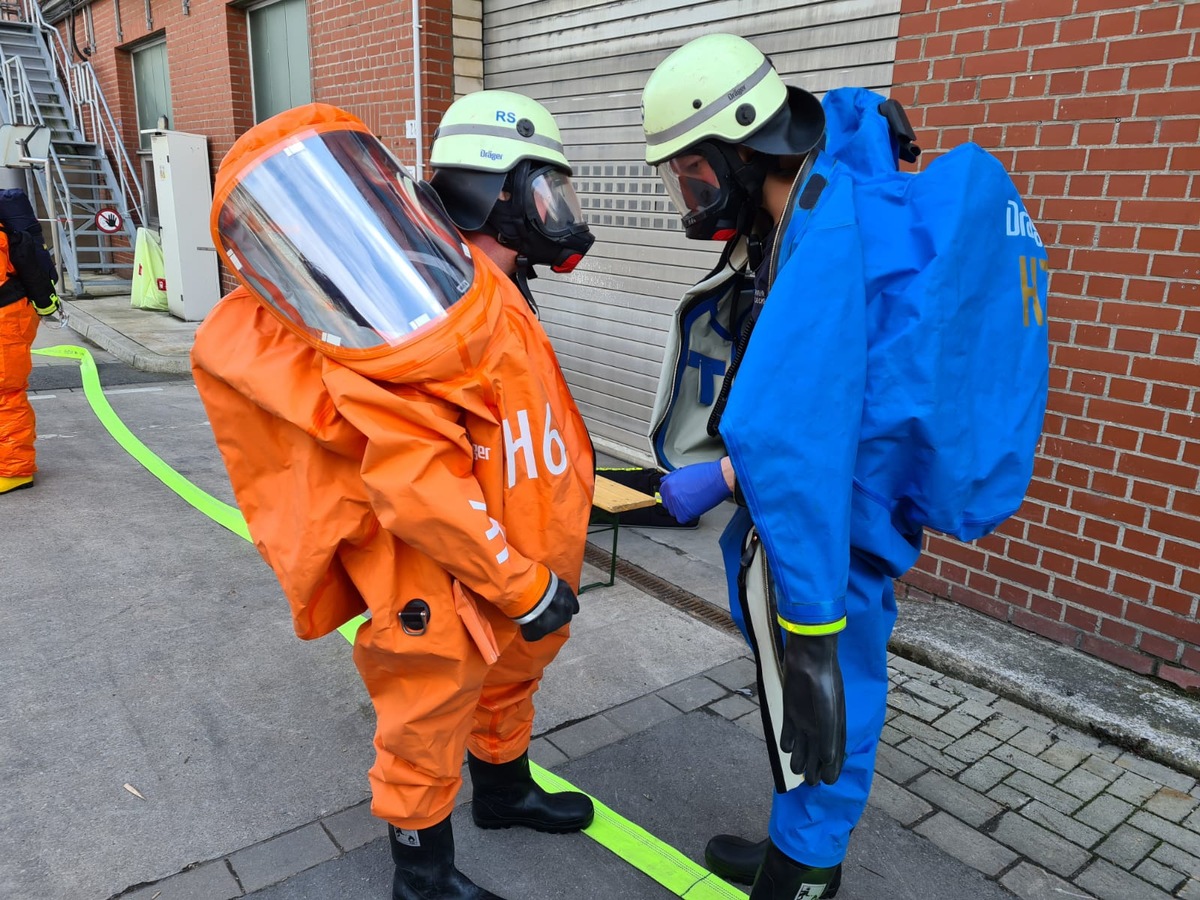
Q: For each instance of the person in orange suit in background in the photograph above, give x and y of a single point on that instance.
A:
(25, 295)
(402, 444)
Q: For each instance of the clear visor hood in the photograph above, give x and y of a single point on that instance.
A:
(692, 183)
(331, 231)
(555, 204)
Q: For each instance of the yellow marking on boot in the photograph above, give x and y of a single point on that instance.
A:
(12, 483)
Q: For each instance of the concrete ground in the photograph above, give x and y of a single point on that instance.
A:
(144, 648)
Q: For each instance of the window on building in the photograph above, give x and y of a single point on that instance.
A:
(151, 88)
(280, 74)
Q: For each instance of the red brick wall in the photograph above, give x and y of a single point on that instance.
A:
(1092, 106)
(360, 53)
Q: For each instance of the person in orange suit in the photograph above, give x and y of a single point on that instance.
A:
(402, 444)
(20, 309)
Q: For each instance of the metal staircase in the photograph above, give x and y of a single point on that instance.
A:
(43, 86)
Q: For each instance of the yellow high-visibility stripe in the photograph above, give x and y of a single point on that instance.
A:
(812, 630)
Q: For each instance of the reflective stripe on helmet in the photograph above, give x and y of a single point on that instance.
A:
(494, 131)
(735, 94)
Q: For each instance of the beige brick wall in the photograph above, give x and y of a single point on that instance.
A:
(468, 46)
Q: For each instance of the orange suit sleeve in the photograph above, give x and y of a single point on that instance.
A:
(418, 468)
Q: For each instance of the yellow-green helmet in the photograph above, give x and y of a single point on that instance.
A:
(491, 141)
(489, 133)
(721, 87)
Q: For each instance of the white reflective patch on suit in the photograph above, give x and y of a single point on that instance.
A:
(496, 531)
(552, 446)
(523, 443)
(554, 449)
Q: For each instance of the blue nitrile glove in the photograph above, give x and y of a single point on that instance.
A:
(690, 492)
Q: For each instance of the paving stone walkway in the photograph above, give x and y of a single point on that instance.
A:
(1041, 808)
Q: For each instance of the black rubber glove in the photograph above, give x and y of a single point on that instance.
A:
(553, 611)
(814, 707)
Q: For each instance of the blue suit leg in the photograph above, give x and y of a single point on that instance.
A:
(812, 824)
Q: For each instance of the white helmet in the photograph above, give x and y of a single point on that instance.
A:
(491, 141)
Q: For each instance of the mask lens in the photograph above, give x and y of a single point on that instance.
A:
(692, 183)
(555, 203)
(333, 232)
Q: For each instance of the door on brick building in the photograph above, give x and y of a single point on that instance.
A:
(280, 74)
(588, 64)
(151, 90)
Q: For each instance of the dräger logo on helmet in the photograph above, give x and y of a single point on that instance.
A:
(736, 92)
(491, 154)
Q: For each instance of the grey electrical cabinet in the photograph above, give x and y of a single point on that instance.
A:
(184, 193)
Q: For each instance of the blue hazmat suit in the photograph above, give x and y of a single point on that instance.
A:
(807, 360)
(895, 380)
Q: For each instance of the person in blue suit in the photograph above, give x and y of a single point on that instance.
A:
(867, 359)
(740, 155)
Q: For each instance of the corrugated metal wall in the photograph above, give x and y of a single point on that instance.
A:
(587, 61)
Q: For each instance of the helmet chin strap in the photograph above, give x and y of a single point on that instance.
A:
(753, 220)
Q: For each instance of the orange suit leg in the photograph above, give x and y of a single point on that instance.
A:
(424, 689)
(504, 717)
(18, 328)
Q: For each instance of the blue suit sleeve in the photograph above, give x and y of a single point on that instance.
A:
(792, 424)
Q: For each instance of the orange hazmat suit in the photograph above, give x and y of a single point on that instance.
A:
(18, 328)
(450, 469)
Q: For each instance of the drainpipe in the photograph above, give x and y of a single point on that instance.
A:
(419, 170)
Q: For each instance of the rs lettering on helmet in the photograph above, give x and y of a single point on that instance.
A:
(508, 118)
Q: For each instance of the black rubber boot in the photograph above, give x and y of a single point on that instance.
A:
(782, 878)
(425, 866)
(734, 858)
(505, 794)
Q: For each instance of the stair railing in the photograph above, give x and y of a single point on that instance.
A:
(23, 109)
(93, 108)
(89, 111)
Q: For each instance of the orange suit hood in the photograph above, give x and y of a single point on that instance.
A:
(336, 240)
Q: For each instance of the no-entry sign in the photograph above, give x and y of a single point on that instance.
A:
(109, 221)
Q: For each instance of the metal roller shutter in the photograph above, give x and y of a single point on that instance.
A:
(587, 61)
